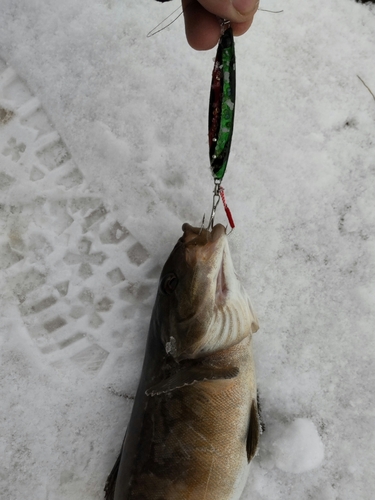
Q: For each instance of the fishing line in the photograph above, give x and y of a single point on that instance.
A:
(272, 11)
(155, 30)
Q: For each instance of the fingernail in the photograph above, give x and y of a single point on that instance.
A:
(244, 6)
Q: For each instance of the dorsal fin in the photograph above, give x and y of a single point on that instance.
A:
(189, 376)
(253, 432)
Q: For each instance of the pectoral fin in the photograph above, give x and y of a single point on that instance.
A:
(190, 376)
(253, 432)
(110, 485)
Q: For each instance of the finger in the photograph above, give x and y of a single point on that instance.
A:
(241, 28)
(201, 27)
(237, 11)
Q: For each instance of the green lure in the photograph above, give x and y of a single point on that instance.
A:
(222, 104)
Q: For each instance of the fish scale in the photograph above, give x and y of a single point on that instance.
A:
(190, 429)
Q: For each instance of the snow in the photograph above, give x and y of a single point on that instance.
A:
(103, 156)
(298, 447)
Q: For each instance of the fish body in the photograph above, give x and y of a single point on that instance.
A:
(194, 427)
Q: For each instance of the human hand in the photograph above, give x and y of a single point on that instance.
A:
(201, 19)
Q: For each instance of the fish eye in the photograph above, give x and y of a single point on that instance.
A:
(168, 283)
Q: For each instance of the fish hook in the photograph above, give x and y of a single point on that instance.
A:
(215, 202)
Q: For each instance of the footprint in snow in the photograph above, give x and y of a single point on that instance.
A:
(71, 267)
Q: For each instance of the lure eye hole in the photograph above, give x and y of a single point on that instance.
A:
(168, 284)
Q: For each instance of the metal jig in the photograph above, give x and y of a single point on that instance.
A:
(222, 103)
(221, 115)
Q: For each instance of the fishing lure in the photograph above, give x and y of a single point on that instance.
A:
(222, 104)
(221, 114)
(221, 111)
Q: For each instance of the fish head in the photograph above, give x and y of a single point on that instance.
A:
(201, 306)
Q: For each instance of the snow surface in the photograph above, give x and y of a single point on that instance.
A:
(103, 155)
(298, 448)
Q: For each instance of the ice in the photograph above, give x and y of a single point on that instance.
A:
(103, 156)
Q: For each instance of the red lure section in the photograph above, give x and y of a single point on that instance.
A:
(226, 208)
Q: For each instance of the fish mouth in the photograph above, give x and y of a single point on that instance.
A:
(201, 236)
(221, 283)
(217, 232)
(210, 249)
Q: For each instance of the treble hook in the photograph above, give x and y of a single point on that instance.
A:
(215, 202)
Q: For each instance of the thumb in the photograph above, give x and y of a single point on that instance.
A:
(236, 11)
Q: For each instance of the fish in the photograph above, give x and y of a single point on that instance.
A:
(195, 423)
